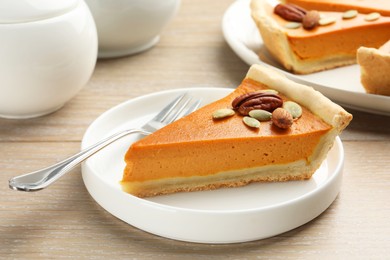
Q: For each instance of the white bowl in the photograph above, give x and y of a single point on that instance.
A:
(130, 26)
(48, 51)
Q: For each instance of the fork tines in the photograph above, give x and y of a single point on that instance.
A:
(181, 106)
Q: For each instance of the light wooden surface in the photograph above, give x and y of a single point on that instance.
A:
(64, 221)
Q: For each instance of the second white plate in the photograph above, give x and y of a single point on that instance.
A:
(341, 84)
(226, 215)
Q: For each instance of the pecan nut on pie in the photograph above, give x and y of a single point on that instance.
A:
(310, 40)
(214, 147)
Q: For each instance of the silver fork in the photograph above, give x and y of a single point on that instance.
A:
(34, 181)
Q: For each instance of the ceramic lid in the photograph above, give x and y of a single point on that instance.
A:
(21, 11)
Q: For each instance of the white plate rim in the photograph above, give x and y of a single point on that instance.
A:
(329, 189)
(377, 104)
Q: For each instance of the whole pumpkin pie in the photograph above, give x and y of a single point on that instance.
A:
(331, 42)
(205, 150)
(362, 6)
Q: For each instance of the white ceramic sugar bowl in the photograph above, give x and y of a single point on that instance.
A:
(130, 26)
(48, 51)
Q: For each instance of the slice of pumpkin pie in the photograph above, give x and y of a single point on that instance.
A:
(304, 41)
(268, 129)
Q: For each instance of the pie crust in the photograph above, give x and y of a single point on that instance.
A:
(375, 69)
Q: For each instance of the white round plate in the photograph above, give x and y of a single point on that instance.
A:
(226, 215)
(341, 84)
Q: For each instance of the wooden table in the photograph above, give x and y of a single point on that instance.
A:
(64, 221)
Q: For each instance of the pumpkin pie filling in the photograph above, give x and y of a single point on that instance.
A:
(198, 152)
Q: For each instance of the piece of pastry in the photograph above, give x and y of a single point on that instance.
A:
(375, 69)
(362, 6)
(331, 42)
(206, 150)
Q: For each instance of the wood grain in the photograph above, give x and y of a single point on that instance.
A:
(63, 221)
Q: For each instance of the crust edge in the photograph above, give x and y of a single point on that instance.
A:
(374, 80)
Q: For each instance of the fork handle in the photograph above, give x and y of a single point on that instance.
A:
(40, 179)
